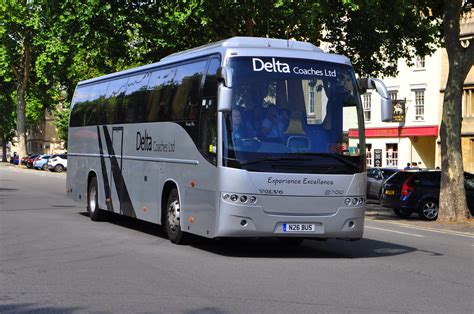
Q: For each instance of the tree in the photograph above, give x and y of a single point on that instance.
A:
(7, 121)
(453, 204)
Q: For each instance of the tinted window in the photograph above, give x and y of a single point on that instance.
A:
(469, 180)
(387, 172)
(79, 105)
(161, 93)
(208, 123)
(400, 177)
(188, 82)
(429, 178)
(95, 105)
(114, 97)
(134, 103)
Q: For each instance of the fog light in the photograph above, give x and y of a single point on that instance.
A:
(234, 197)
(253, 199)
(243, 199)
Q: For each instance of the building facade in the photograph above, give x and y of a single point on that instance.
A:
(413, 137)
(418, 91)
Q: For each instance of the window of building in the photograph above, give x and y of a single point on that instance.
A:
(367, 105)
(393, 95)
(420, 105)
(419, 62)
(368, 154)
(391, 155)
(468, 103)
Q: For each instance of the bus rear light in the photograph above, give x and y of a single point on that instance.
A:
(253, 199)
(234, 197)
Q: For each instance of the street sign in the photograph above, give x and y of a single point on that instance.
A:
(398, 110)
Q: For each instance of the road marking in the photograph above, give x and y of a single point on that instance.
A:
(443, 231)
(394, 231)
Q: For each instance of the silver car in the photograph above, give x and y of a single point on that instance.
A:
(375, 178)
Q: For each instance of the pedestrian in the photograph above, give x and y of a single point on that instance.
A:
(408, 167)
(414, 165)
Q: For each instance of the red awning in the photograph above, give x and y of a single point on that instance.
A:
(397, 131)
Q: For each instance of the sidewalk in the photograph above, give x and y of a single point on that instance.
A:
(375, 212)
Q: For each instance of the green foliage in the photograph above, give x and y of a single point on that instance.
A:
(74, 40)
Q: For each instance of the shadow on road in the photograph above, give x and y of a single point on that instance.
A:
(270, 247)
(33, 308)
(134, 224)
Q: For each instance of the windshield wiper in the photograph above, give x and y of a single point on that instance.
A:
(275, 158)
(337, 157)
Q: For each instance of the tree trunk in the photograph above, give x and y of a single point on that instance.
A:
(20, 120)
(22, 83)
(4, 150)
(452, 202)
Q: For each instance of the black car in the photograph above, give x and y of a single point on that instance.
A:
(375, 178)
(410, 191)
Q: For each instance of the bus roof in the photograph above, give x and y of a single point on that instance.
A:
(253, 44)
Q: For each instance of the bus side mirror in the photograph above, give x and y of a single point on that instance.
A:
(379, 86)
(224, 76)
(224, 98)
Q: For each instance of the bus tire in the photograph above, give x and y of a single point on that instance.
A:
(172, 220)
(95, 213)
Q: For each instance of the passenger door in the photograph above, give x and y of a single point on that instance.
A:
(115, 175)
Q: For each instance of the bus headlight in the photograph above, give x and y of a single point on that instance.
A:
(239, 198)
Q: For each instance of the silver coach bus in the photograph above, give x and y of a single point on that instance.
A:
(247, 137)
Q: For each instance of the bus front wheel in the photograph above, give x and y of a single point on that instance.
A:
(173, 213)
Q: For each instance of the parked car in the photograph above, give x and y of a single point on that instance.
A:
(29, 160)
(41, 162)
(58, 163)
(24, 159)
(375, 178)
(418, 191)
(15, 160)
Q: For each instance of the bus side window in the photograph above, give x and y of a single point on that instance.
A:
(78, 106)
(188, 81)
(134, 102)
(158, 99)
(114, 97)
(94, 111)
(208, 123)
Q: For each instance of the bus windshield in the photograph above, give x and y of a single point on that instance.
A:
(293, 115)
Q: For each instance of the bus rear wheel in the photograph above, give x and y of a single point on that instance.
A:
(172, 220)
(95, 213)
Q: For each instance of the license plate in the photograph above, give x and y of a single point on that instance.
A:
(299, 228)
(389, 192)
